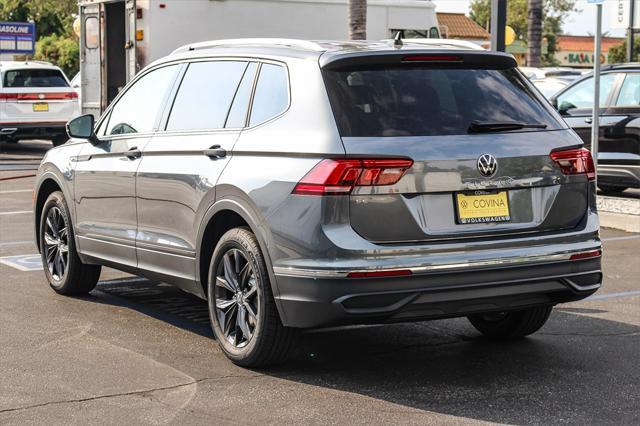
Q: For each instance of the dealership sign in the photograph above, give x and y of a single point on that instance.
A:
(17, 37)
(578, 59)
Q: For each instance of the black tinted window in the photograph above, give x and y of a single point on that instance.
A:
(34, 78)
(272, 94)
(422, 101)
(205, 95)
(137, 110)
(238, 113)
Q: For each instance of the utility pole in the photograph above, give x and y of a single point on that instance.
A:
(630, 31)
(534, 18)
(498, 24)
(595, 120)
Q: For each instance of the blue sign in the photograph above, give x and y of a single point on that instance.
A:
(17, 37)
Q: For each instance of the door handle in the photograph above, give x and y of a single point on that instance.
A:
(215, 152)
(588, 120)
(133, 153)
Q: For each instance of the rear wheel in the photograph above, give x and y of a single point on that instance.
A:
(513, 324)
(242, 310)
(611, 188)
(59, 140)
(62, 266)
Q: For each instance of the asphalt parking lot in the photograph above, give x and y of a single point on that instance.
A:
(136, 351)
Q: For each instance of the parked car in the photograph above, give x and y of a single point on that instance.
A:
(550, 86)
(561, 73)
(36, 101)
(298, 184)
(619, 133)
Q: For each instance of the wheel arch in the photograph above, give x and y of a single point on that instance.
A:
(223, 215)
(47, 184)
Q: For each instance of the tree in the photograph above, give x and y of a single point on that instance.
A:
(357, 19)
(553, 14)
(534, 33)
(618, 54)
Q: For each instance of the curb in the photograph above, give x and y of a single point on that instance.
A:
(621, 221)
(16, 177)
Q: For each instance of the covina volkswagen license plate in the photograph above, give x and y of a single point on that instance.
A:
(482, 207)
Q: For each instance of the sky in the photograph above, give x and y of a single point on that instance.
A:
(582, 22)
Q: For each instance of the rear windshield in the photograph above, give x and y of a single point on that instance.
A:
(34, 78)
(423, 101)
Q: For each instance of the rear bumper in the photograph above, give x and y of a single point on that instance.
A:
(627, 175)
(44, 130)
(318, 299)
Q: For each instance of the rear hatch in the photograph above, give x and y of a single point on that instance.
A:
(490, 156)
(37, 95)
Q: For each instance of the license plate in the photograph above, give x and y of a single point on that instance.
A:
(482, 207)
(41, 107)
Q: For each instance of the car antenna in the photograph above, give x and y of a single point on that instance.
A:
(397, 40)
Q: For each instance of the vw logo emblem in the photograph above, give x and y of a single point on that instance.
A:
(487, 165)
(41, 96)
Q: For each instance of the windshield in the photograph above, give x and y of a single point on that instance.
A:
(34, 78)
(426, 101)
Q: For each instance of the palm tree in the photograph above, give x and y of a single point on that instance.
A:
(357, 19)
(534, 33)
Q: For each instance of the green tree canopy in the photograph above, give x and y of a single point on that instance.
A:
(553, 14)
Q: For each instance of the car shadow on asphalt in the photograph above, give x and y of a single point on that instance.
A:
(558, 374)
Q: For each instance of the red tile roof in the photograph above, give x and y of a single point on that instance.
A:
(457, 25)
(585, 43)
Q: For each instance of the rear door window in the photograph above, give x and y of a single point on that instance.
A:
(272, 94)
(424, 101)
(629, 92)
(240, 106)
(34, 78)
(205, 95)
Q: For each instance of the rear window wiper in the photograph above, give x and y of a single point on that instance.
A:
(501, 126)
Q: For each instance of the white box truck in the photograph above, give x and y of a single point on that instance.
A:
(119, 37)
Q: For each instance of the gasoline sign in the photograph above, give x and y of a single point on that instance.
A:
(17, 37)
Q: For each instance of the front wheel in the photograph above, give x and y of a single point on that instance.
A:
(62, 266)
(511, 325)
(242, 309)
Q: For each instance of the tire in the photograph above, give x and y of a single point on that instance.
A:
(245, 323)
(511, 325)
(70, 276)
(611, 188)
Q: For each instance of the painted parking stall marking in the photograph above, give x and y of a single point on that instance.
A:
(23, 262)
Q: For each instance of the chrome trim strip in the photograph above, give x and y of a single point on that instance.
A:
(418, 270)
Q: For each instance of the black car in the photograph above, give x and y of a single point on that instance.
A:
(619, 140)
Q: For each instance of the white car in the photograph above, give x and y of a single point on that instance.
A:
(36, 101)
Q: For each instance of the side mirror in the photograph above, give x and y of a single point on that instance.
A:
(82, 128)
(564, 107)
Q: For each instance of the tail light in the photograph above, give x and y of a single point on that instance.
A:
(340, 176)
(575, 162)
(38, 96)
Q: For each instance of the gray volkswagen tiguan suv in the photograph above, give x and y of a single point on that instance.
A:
(298, 184)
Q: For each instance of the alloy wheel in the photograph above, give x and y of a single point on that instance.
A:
(236, 298)
(56, 243)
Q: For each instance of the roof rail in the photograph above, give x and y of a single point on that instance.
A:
(240, 42)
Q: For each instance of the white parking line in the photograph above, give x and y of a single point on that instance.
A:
(14, 191)
(15, 243)
(612, 295)
(16, 212)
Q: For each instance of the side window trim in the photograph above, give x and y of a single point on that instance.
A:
(253, 88)
(253, 93)
(171, 97)
(106, 115)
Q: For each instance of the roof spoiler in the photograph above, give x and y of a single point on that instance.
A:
(430, 57)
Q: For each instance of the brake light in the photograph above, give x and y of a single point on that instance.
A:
(432, 58)
(586, 255)
(380, 274)
(575, 162)
(340, 176)
(38, 96)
